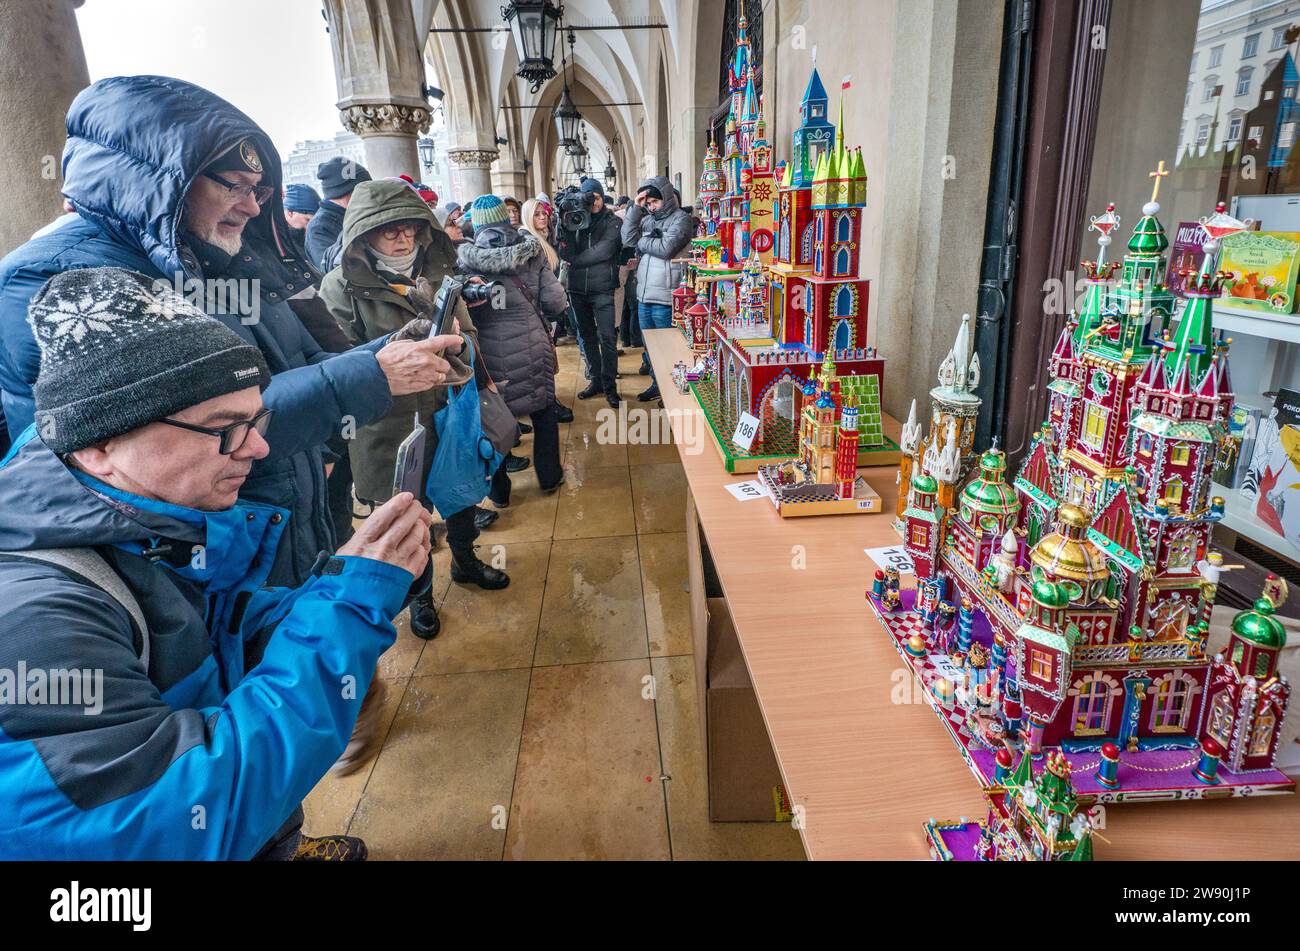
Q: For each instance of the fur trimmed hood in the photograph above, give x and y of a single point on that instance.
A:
(494, 258)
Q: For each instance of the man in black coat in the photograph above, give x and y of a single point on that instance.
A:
(593, 256)
(337, 178)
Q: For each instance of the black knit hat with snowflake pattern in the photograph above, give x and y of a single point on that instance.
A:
(119, 350)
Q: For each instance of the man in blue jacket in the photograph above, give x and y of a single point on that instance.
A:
(133, 723)
(174, 182)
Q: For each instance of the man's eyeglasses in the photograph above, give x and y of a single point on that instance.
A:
(238, 192)
(402, 229)
(233, 436)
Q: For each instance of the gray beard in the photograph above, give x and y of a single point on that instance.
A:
(229, 245)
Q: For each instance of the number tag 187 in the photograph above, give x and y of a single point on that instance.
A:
(746, 430)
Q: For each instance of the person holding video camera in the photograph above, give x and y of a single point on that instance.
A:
(394, 258)
(590, 241)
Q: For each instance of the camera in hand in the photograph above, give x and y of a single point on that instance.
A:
(453, 289)
(574, 207)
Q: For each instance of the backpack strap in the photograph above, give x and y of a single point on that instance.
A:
(89, 566)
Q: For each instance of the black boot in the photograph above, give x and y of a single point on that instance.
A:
(563, 414)
(517, 463)
(652, 393)
(467, 569)
(484, 517)
(525, 429)
(594, 388)
(425, 623)
(613, 399)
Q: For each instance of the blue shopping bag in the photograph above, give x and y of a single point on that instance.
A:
(465, 459)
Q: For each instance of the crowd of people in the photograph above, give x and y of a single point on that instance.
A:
(207, 378)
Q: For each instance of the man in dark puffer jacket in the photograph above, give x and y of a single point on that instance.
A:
(593, 277)
(172, 181)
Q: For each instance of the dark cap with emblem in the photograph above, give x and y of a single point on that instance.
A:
(120, 350)
(340, 175)
(241, 157)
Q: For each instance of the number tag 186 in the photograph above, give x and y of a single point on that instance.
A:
(746, 430)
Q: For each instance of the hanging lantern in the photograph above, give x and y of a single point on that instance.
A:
(535, 25)
(610, 173)
(567, 119)
(426, 148)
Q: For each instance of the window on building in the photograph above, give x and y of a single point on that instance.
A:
(1094, 425)
(1202, 133)
(1182, 550)
(1171, 620)
(843, 335)
(919, 536)
(1192, 67)
(1279, 37)
(1181, 454)
(1286, 135)
(1243, 81)
(1262, 663)
(806, 245)
(1256, 133)
(1171, 707)
(1211, 84)
(1040, 664)
(844, 301)
(1091, 708)
(1261, 740)
(1220, 725)
(1216, 55)
(842, 261)
(807, 332)
(1174, 491)
(1234, 129)
(842, 227)
(1238, 652)
(1249, 47)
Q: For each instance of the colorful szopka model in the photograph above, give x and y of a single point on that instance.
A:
(773, 324)
(1030, 819)
(1089, 574)
(824, 479)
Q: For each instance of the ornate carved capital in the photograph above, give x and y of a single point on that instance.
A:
(472, 158)
(372, 118)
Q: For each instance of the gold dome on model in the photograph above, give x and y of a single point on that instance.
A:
(1067, 553)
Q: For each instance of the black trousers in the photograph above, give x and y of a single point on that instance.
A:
(595, 315)
(631, 327)
(546, 459)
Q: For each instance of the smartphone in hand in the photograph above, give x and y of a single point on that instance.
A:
(408, 476)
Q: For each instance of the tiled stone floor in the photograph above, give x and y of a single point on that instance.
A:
(522, 731)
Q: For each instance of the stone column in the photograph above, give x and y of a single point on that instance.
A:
(390, 134)
(510, 178)
(470, 172)
(42, 67)
(379, 72)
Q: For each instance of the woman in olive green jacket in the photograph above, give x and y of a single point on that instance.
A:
(390, 241)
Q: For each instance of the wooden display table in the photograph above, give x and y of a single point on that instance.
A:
(858, 747)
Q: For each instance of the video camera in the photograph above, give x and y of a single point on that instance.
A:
(574, 207)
